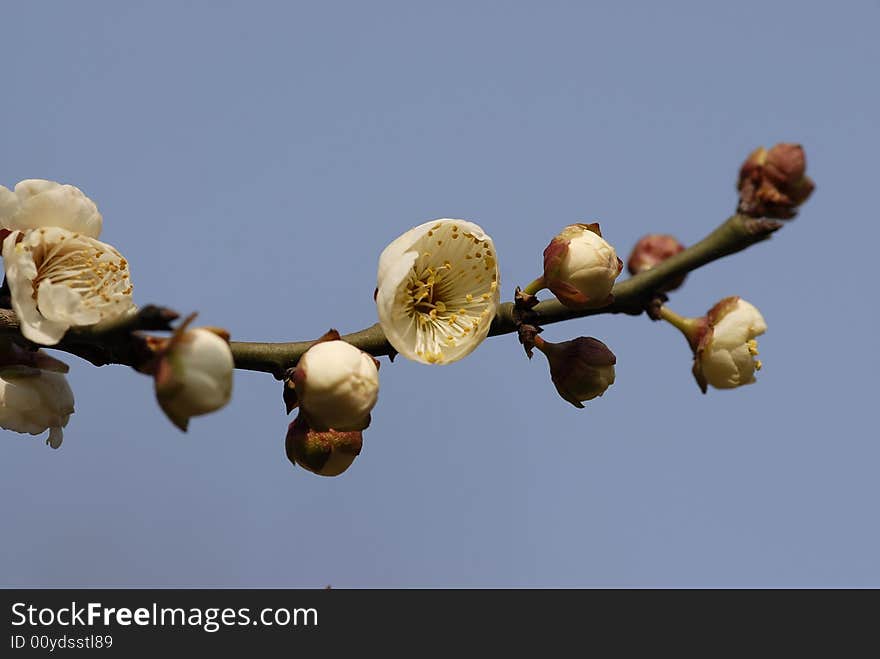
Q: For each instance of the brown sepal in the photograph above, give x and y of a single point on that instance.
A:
(524, 301)
(527, 334)
(219, 331)
(329, 335)
(593, 226)
(721, 309)
(289, 392)
(698, 375)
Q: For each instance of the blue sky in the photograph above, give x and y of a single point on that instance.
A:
(251, 161)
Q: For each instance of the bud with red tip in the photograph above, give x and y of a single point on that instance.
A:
(579, 268)
(651, 250)
(773, 183)
(326, 453)
(581, 369)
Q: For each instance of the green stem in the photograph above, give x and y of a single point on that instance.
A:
(687, 326)
(535, 286)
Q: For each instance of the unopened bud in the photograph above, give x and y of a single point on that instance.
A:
(34, 393)
(723, 342)
(193, 374)
(581, 369)
(579, 267)
(651, 250)
(335, 385)
(773, 183)
(326, 453)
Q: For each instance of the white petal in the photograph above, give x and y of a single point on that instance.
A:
(20, 273)
(37, 203)
(392, 254)
(339, 388)
(62, 305)
(741, 324)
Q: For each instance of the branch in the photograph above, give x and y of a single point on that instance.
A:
(121, 344)
(631, 296)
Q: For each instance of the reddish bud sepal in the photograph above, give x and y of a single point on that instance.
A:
(581, 369)
(326, 453)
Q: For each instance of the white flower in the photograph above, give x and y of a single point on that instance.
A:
(36, 204)
(438, 290)
(33, 400)
(194, 376)
(579, 267)
(336, 386)
(726, 356)
(60, 279)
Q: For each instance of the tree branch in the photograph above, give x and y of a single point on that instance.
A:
(120, 344)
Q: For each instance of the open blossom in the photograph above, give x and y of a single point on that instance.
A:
(579, 267)
(36, 203)
(194, 374)
(438, 290)
(726, 355)
(581, 369)
(60, 279)
(326, 453)
(34, 399)
(335, 384)
(723, 342)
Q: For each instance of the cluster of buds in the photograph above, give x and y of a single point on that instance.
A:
(58, 275)
(773, 183)
(335, 386)
(580, 268)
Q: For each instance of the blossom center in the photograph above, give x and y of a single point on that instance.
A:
(97, 273)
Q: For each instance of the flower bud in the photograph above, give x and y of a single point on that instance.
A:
(193, 375)
(579, 267)
(37, 203)
(651, 250)
(774, 183)
(581, 369)
(34, 393)
(335, 385)
(326, 453)
(723, 342)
